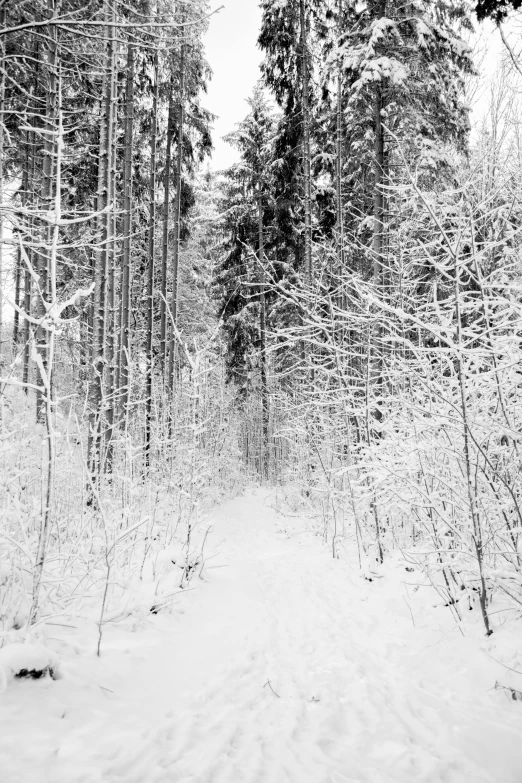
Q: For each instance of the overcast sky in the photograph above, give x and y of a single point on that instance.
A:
(234, 57)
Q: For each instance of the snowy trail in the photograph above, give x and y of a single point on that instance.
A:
(357, 693)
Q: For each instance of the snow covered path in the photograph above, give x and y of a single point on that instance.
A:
(366, 686)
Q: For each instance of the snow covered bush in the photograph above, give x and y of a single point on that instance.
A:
(411, 440)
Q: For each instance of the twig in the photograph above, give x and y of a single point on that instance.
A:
(409, 607)
(270, 686)
(503, 664)
(510, 50)
(203, 550)
(515, 695)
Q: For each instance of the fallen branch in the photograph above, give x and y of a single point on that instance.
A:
(515, 695)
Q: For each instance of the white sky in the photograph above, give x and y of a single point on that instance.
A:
(233, 55)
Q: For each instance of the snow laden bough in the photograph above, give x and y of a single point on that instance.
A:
(31, 661)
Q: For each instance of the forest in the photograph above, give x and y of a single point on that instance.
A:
(330, 328)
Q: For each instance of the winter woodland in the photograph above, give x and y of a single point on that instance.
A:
(260, 450)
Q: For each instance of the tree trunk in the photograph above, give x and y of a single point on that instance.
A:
(165, 241)
(177, 213)
(265, 400)
(305, 110)
(150, 276)
(46, 198)
(24, 198)
(96, 390)
(47, 380)
(339, 174)
(28, 280)
(124, 379)
(110, 238)
(377, 247)
(2, 141)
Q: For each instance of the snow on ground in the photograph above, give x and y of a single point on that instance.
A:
(284, 666)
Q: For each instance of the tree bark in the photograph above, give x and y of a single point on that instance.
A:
(377, 247)
(150, 275)
(24, 197)
(305, 111)
(96, 389)
(28, 280)
(46, 199)
(177, 212)
(265, 400)
(110, 238)
(2, 141)
(124, 372)
(339, 172)
(165, 240)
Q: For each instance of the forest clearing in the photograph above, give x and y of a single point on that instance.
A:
(260, 470)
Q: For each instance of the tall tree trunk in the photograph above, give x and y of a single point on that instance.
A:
(165, 239)
(379, 204)
(305, 111)
(177, 211)
(28, 280)
(265, 400)
(124, 379)
(24, 199)
(46, 199)
(2, 153)
(150, 276)
(96, 388)
(110, 239)
(378, 196)
(377, 247)
(47, 379)
(339, 171)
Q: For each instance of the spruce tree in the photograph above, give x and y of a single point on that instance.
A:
(286, 38)
(401, 70)
(247, 205)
